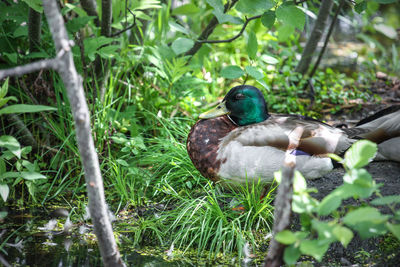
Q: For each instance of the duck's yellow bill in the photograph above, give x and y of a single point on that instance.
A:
(215, 112)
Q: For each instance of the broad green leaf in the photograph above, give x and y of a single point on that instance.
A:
(314, 248)
(324, 229)
(35, 4)
(268, 19)
(358, 176)
(285, 237)
(343, 234)
(4, 191)
(4, 100)
(222, 18)
(254, 7)
(254, 72)
(92, 44)
(182, 45)
(11, 144)
(187, 9)
(77, 23)
(360, 7)
(13, 57)
(303, 203)
(364, 214)
(217, 5)
(291, 254)
(23, 108)
(386, 200)
(360, 154)
(4, 89)
(385, 1)
(291, 15)
(252, 45)
(232, 72)
(109, 51)
(299, 183)
(284, 32)
(330, 203)
(395, 229)
(32, 176)
(175, 26)
(269, 59)
(368, 229)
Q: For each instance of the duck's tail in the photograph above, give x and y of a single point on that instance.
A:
(382, 128)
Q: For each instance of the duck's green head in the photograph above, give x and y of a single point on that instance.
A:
(244, 105)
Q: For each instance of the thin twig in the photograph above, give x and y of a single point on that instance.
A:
(128, 28)
(31, 67)
(234, 37)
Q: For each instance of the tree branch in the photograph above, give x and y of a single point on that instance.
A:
(31, 67)
(90, 7)
(321, 53)
(234, 37)
(80, 112)
(209, 30)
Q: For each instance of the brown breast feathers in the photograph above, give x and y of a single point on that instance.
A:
(203, 141)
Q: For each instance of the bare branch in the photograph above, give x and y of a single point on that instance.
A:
(209, 30)
(128, 28)
(233, 38)
(31, 67)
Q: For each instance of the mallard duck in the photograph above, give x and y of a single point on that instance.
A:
(239, 140)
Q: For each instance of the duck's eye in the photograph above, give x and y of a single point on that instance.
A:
(240, 96)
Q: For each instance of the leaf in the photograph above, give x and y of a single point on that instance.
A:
(291, 254)
(284, 32)
(314, 248)
(254, 6)
(360, 7)
(386, 200)
(35, 4)
(178, 27)
(299, 183)
(4, 191)
(358, 176)
(291, 15)
(108, 51)
(23, 108)
(385, 1)
(285, 237)
(222, 18)
(324, 229)
(303, 203)
(187, 9)
(395, 229)
(92, 44)
(335, 157)
(217, 5)
(364, 214)
(254, 72)
(182, 45)
(386, 30)
(4, 101)
(343, 234)
(11, 144)
(368, 229)
(77, 23)
(269, 59)
(32, 176)
(4, 89)
(268, 19)
(232, 72)
(330, 203)
(360, 154)
(252, 45)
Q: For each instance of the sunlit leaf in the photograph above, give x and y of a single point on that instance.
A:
(285, 237)
(254, 6)
(360, 154)
(232, 72)
(186, 9)
(395, 229)
(291, 15)
(4, 191)
(252, 45)
(182, 45)
(386, 200)
(343, 234)
(23, 108)
(254, 72)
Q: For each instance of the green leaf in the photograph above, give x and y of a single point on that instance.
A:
(232, 72)
(364, 214)
(77, 23)
(254, 7)
(35, 4)
(175, 26)
(343, 234)
(4, 101)
(386, 30)
(360, 154)
(187, 9)
(254, 72)
(252, 45)
(92, 44)
(4, 191)
(324, 229)
(11, 144)
(368, 229)
(314, 248)
(3, 214)
(335, 157)
(303, 203)
(360, 7)
(359, 176)
(4, 89)
(291, 254)
(217, 5)
(285, 237)
(395, 229)
(299, 183)
(385, 1)
(222, 18)
(291, 15)
(269, 59)
(23, 108)
(32, 176)
(268, 19)
(182, 45)
(386, 200)
(330, 203)
(284, 32)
